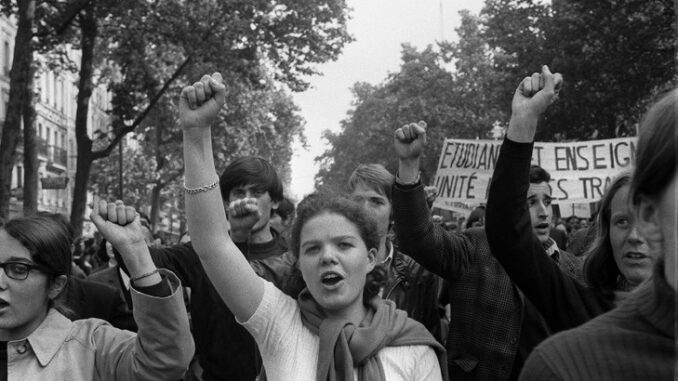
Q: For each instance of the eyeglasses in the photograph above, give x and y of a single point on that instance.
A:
(21, 270)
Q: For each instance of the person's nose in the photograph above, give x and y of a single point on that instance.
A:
(634, 236)
(328, 255)
(3, 279)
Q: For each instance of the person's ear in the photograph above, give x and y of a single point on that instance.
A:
(371, 259)
(647, 219)
(57, 285)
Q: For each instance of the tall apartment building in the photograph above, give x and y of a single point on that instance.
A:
(55, 126)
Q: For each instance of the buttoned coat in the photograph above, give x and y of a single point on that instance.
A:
(91, 349)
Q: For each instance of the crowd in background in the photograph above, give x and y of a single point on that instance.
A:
(358, 283)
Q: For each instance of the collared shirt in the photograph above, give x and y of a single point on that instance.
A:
(552, 249)
(161, 350)
(389, 258)
(387, 264)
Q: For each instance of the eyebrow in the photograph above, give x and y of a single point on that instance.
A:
(534, 195)
(337, 238)
(20, 259)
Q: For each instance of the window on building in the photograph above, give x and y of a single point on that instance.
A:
(48, 88)
(62, 95)
(54, 88)
(43, 87)
(5, 58)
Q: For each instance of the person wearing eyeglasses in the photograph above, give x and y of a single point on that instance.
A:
(37, 342)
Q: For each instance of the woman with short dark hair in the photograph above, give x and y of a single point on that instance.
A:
(41, 343)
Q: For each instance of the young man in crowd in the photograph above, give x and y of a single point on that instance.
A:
(225, 350)
(493, 327)
(410, 286)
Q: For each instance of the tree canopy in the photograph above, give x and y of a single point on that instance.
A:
(615, 56)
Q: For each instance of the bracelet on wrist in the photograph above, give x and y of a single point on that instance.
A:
(204, 188)
(145, 275)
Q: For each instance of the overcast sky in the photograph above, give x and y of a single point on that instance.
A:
(379, 28)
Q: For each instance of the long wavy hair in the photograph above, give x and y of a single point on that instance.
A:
(600, 269)
(316, 204)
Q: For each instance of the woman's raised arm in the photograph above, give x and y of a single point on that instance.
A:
(235, 281)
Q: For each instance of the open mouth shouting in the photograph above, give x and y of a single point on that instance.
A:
(3, 304)
(331, 279)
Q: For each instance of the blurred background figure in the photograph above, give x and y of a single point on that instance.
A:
(282, 217)
(477, 218)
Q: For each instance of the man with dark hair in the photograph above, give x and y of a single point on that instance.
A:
(493, 327)
(225, 350)
(254, 178)
(410, 286)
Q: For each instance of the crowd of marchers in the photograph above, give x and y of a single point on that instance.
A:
(361, 283)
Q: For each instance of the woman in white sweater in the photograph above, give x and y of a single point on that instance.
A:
(337, 329)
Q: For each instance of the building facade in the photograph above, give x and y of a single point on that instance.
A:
(56, 103)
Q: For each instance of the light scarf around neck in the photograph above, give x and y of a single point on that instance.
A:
(345, 346)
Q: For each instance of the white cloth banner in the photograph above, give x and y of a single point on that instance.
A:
(580, 171)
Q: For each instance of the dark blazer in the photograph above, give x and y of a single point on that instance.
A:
(85, 299)
(225, 349)
(560, 237)
(563, 301)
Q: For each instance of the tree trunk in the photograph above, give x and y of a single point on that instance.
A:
(88, 29)
(31, 163)
(11, 130)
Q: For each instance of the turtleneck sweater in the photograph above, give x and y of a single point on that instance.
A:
(635, 341)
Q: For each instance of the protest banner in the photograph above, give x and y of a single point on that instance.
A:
(580, 171)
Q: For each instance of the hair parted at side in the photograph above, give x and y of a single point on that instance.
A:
(656, 151)
(539, 175)
(47, 239)
(374, 176)
(317, 204)
(600, 269)
(248, 170)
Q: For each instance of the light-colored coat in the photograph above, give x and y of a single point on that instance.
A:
(91, 349)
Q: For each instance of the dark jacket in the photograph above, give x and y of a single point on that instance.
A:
(226, 351)
(563, 301)
(88, 299)
(560, 237)
(414, 290)
(111, 277)
(488, 312)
